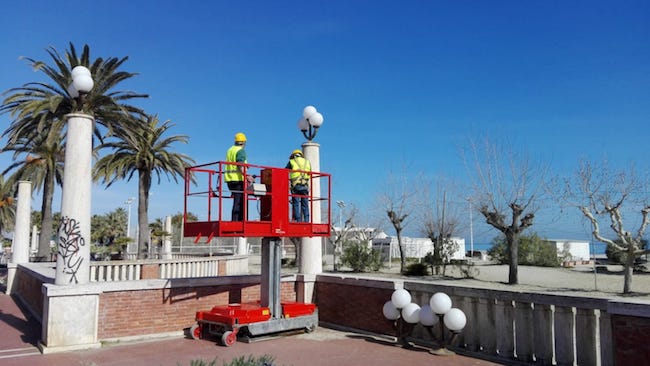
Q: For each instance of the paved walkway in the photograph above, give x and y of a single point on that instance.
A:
(324, 347)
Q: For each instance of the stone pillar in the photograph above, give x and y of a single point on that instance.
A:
(242, 246)
(21, 243)
(73, 256)
(34, 240)
(70, 316)
(167, 242)
(311, 255)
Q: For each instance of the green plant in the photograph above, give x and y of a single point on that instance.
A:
(466, 268)
(360, 258)
(417, 269)
(533, 251)
(265, 360)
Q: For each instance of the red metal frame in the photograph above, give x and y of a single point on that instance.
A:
(274, 220)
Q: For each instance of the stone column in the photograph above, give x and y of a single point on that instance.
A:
(34, 239)
(242, 245)
(73, 257)
(311, 255)
(20, 243)
(167, 242)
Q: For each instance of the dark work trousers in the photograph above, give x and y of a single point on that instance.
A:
(300, 203)
(237, 189)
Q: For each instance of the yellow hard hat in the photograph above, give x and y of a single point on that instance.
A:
(240, 137)
(296, 152)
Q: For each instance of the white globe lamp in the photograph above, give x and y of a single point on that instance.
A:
(440, 303)
(411, 313)
(400, 298)
(390, 311)
(455, 320)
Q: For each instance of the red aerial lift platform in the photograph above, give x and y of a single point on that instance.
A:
(273, 222)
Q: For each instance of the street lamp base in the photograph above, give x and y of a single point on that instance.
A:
(442, 351)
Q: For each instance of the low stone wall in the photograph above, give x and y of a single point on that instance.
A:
(82, 316)
(170, 306)
(505, 326)
(508, 326)
(354, 303)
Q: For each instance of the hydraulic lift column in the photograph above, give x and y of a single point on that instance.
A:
(271, 268)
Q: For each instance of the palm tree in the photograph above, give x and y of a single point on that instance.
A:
(38, 110)
(43, 166)
(147, 153)
(7, 206)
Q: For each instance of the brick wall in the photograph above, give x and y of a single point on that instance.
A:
(141, 312)
(29, 288)
(354, 306)
(631, 338)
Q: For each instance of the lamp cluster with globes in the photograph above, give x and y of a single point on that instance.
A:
(310, 122)
(438, 311)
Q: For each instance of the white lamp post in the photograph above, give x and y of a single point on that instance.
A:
(129, 202)
(311, 255)
(454, 319)
(129, 245)
(73, 255)
(438, 311)
(471, 229)
(341, 205)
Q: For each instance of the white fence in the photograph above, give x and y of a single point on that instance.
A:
(107, 271)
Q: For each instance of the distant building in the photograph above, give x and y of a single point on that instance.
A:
(577, 249)
(413, 247)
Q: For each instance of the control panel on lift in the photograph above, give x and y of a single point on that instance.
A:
(267, 208)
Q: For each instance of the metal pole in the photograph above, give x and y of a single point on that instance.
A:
(471, 229)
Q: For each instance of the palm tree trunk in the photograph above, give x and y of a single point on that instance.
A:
(144, 184)
(44, 238)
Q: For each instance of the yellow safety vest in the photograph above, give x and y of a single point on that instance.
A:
(233, 174)
(299, 163)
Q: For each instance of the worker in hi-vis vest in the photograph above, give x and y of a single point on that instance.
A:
(235, 175)
(299, 177)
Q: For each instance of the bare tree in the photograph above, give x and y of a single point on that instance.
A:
(340, 236)
(398, 201)
(506, 186)
(440, 223)
(605, 195)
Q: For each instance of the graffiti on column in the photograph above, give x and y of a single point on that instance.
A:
(70, 243)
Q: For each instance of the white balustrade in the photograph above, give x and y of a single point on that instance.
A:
(108, 271)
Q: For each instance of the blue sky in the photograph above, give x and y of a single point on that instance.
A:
(399, 84)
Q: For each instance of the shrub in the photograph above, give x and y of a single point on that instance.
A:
(265, 360)
(417, 269)
(533, 251)
(360, 258)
